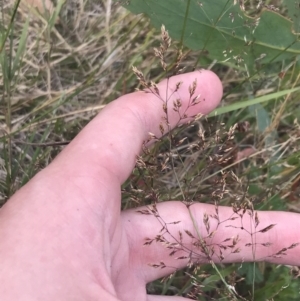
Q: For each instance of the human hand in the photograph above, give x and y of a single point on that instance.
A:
(63, 237)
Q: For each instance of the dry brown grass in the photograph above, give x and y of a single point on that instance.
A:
(40, 5)
(69, 69)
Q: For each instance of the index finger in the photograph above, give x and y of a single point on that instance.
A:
(115, 137)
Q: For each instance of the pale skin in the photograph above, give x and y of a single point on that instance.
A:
(63, 236)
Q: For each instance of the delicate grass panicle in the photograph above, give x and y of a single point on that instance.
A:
(171, 172)
(62, 62)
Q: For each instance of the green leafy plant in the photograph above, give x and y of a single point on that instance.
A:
(222, 30)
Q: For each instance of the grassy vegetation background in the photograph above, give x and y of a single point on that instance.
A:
(61, 64)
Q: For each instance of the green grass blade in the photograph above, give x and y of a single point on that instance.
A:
(246, 103)
(55, 14)
(21, 48)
